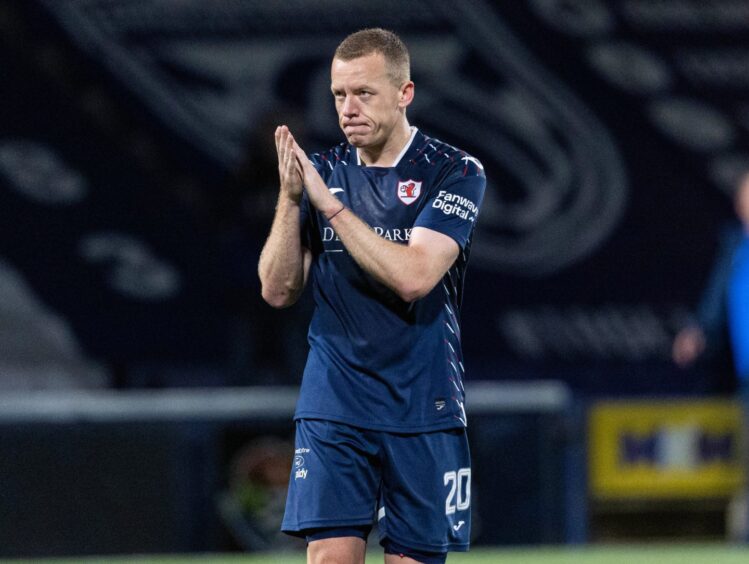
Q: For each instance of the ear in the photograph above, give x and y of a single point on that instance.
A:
(406, 94)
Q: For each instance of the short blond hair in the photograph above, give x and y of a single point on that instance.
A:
(377, 40)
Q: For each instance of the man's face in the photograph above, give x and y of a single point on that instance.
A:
(368, 103)
(741, 200)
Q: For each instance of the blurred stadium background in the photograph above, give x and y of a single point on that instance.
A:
(147, 391)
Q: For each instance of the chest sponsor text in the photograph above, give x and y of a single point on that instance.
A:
(395, 234)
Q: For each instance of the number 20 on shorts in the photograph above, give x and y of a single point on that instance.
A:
(459, 495)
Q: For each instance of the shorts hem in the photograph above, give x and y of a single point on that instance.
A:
(445, 425)
(300, 529)
(450, 547)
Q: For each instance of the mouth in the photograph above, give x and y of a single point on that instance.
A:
(354, 128)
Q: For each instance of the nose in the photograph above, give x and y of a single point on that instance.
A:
(349, 107)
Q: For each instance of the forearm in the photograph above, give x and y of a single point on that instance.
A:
(281, 265)
(404, 269)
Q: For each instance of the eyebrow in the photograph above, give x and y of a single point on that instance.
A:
(358, 88)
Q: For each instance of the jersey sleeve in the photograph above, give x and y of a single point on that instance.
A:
(453, 205)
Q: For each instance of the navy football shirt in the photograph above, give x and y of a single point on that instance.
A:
(375, 361)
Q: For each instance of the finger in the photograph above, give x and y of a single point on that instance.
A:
(298, 148)
(301, 158)
(291, 164)
(280, 148)
(300, 161)
(288, 147)
(283, 133)
(301, 155)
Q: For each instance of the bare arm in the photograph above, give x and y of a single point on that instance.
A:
(411, 271)
(284, 262)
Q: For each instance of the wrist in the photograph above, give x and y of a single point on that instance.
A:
(290, 192)
(329, 216)
(286, 200)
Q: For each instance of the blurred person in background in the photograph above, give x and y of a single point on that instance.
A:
(722, 321)
(382, 224)
(724, 308)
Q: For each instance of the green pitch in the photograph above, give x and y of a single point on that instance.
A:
(625, 554)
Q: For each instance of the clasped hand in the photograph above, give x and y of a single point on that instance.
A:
(297, 173)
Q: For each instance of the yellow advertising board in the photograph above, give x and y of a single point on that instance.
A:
(665, 449)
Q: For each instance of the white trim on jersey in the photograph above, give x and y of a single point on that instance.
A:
(414, 130)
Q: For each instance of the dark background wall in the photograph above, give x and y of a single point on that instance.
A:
(137, 184)
(137, 175)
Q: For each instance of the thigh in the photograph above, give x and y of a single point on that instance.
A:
(425, 503)
(334, 478)
(338, 549)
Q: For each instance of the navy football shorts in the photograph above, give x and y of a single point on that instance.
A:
(417, 486)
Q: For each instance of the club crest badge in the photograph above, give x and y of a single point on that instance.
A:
(408, 191)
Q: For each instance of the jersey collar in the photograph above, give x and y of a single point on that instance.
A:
(407, 146)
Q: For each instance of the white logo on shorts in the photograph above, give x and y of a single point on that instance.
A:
(459, 525)
(301, 471)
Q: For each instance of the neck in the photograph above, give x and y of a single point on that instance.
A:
(386, 154)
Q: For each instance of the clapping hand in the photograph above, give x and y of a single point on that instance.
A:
(317, 191)
(289, 170)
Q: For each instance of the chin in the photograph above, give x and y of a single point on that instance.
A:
(357, 141)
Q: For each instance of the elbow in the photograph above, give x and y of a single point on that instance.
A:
(410, 291)
(279, 299)
(279, 292)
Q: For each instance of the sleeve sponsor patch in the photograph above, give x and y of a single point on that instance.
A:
(455, 204)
